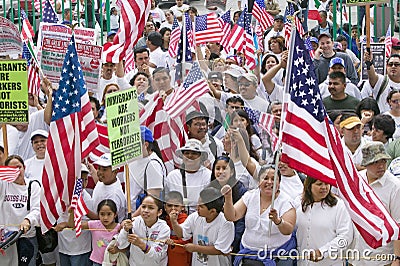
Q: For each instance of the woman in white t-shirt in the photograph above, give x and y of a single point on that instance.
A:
(268, 230)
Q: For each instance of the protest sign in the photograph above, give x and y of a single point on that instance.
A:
(13, 92)
(364, 2)
(52, 57)
(378, 59)
(63, 32)
(123, 126)
(10, 38)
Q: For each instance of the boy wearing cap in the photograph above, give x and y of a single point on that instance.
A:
(192, 177)
(108, 185)
(337, 65)
(34, 165)
(351, 129)
(387, 189)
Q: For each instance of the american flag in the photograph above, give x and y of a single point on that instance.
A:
(129, 61)
(261, 15)
(33, 71)
(241, 39)
(312, 145)
(388, 42)
(39, 4)
(309, 47)
(169, 133)
(27, 32)
(208, 29)
(72, 136)
(104, 144)
(134, 15)
(189, 31)
(289, 19)
(48, 13)
(174, 38)
(183, 57)
(79, 206)
(193, 87)
(225, 23)
(266, 121)
(9, 173)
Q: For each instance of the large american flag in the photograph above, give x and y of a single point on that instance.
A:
(208, 29)
(33, 71)
(241, 39)
(9, 173)
(134, 14)
(261, 15)
(312, 145)
(73, 136)
(388, 42)
(39, 4)
(225, 23)
(265, 121)
(27, 32)
(79, 206)
(48, 13)
(193, 87)
(174, 38)
(129, 61)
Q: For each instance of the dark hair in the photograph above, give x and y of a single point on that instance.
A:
(265, 168)
(161, 70)
(107, 202)
(393, 56)
(324, 13)
(12, 157)
(194, 10)
(385, 123)
(341, 38)
(338, 75)
(164, 30)
(334, 114)
(95, 101)
(368, 103)
(174, 195)
(153, 146)
(346, 115)
(307, 198)
(235, 99)
(280, 40)
(139, 51)
(158, 202)
(264, 62)
(212, 199)
(249, 130)
(390, 95)
(133, 79)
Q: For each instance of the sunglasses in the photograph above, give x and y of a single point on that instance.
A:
(391, 64)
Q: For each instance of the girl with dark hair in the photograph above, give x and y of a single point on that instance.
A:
(366, 109)
(165, 33)
(326, 215)
(393, 100)
(383, 128)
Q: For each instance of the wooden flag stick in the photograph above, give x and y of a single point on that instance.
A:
(5, 140)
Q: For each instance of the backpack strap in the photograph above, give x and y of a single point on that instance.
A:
(28, 205)
(182, 170)
(383, 86)
(145, 173)
(213, 146)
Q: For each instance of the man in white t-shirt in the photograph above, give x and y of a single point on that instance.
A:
(157, 56)
(179, 9)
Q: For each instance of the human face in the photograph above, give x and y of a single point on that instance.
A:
(314, 45)
(378, 135)
(169, 17)
(336, 88)
(166, 36)
(214, 47)
(202, 209)
(179, 3)
(217, 83)
(233, 107)
(192, 160)
(198, 128)
(352, 137)
(112, 89)
(274, 47)
(319, 190)
(270, 63)
(230, 83)
(141, 83)
(354, 33)
(20, 166)
(142, 58)
(239, 121)
(247, 89)
(173, 205)
(31, 99)
(219, 66)
(376, 170)
(236, 17)
(161, 81)
(226, 141)
(326, 45)
(278, 25)
(106, 175)
(267, 182)
(337, 68)
(108, 70)
(149, 211)
(39, 146)
(344, 45)
(94, 110)
(277, 111)
(285, 169)
(107, 216)
(393, 68)
(394, 102)
(222, 172)
(149, 27)
(323, 18)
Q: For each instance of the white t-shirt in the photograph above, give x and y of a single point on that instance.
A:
(244, 176)
(396, 119)
(34, 169)
(276, 94)
(178, 11)
(155, 174)
(219, 233)
(12, 138)
(291, 186)
(357, 155)
(158, 15)
(158, 57)
(195, 183)
(257, 103)
(113, 192)
(98, 93)
(256, 234)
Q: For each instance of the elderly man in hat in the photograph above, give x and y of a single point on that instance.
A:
(387, 188)
(192, 177)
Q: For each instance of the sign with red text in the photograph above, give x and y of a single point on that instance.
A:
(10, 38)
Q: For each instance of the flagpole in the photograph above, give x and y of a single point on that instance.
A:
(183, 62)
(128, 191)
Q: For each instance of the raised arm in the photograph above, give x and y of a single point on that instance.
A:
(232, 212)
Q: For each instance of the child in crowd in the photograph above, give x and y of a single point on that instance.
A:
(114, 19)
(149, 232)
(177, 255)
(212, 233)
(107, 228)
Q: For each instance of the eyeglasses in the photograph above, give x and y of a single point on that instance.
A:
(392, 64)
(244, 84)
